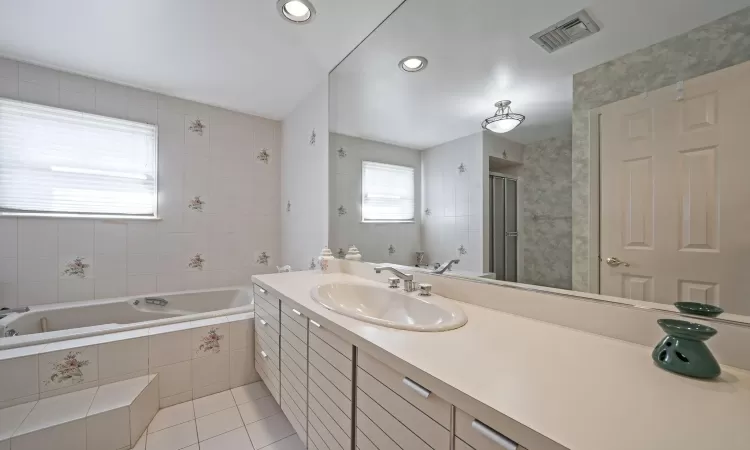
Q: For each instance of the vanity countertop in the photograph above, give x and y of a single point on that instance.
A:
(581, 390)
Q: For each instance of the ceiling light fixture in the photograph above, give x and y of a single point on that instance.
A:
(296, 11)
(413, 63)
(504, 119)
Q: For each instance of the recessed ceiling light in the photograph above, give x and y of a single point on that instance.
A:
(296, 11)
(413, 63)
(504, 119)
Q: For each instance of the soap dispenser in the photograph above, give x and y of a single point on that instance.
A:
(353, 254)
(326, 256)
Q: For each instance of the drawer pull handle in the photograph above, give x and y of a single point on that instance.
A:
(315, 323)
(296, 312)
(493, 435)
(417, 388)
(262, 291)
(263, 354)
(263, 322)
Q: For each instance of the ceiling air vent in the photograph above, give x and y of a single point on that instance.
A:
(565, 32)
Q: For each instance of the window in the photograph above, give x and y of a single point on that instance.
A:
(387, 193)
(59, 162)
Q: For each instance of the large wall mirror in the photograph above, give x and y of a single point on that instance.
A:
(549, 145)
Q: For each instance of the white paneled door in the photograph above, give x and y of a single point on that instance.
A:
(675, 193)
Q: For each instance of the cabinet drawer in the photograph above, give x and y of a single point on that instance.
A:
(272, 353)
(404, 412)
(273, 321)
(263, 294)
(330, 424)
(395, 430)
(295, 327)
(480, 436)
(434, 406)
(326, 438)
(331, 373)
(331, 339)
(268, 374)
(339, 416)
(341, 400)
(375, 435)
(269, 303)
(294, 341)
(266, 332)
(294, 313)
(330, 354)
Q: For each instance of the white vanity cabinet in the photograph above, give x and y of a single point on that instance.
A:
(294, 368)
(338, 397)
(394, 411)
(331, 390)
(268, 340)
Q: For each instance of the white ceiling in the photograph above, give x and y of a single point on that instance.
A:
(238, 54)
(479, 52)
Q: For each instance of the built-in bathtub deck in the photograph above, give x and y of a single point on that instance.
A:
(112, 416)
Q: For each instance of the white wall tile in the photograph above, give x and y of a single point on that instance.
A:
(242, 367)
(110, 237)
(169, 348)
(210, 370)
(142, 237)
(20, 377)
(51, 364)
(221, 165)
(75, 289)
(141, 284)
(241, 334)
(123, 357)
(116, 286)
(8, 68)
(174, 379)
(37, 293)
(209, 340)
(8, 237)
(37, 237)
(68, 436)
(8, 270)
(108, 430)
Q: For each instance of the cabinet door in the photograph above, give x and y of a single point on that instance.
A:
(472, 433)
(294, 370)
(268, 340)
(408, 414)
(330, 389)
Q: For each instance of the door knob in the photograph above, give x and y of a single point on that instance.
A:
(614, 262)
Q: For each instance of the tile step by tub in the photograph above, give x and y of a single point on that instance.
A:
(109, 417)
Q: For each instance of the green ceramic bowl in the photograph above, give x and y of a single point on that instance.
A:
(686, 330)
(698, 309)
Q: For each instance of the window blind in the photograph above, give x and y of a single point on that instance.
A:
(57, 161)
(387, 192)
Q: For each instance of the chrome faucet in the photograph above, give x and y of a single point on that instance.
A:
(441, 269)
(156, 301)
(409, 285)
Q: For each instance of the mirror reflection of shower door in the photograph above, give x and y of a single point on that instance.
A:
(504, 217)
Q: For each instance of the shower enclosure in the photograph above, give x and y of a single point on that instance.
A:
(504, 227)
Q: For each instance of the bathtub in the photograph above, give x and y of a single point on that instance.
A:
(97, 317)
(198, 343)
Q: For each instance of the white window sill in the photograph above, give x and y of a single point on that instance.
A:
(387, 221)
(78, 216)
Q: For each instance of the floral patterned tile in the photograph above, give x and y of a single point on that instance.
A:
(210, 340)
(68, 367)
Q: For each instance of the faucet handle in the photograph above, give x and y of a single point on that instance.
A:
(393, 282)
(425, 289)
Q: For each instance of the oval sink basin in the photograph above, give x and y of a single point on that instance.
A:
(389, 307)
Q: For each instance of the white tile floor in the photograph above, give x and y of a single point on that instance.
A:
(245, 418)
